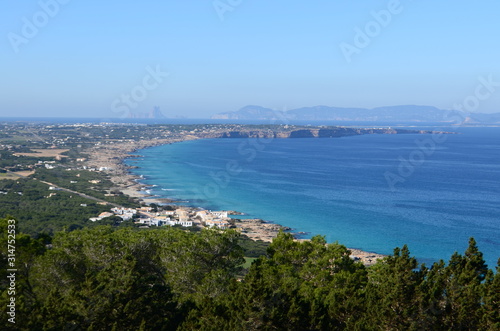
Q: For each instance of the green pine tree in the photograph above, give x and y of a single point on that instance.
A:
(491, 306)
(463, 289)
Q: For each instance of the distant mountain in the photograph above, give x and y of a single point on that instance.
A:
(250, 113)
(475, 118)
(404, 113)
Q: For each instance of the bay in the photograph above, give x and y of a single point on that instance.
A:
(372, 192)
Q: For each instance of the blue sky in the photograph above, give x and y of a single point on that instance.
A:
(84, 56)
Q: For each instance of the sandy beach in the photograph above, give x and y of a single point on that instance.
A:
(111, 156)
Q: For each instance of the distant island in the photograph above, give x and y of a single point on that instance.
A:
(153, 114)
(392, 114)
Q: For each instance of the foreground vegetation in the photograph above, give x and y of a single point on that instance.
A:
(109, 278)
(40, 210)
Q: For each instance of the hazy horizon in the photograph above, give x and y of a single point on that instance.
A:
(78, 59)
(140, 113)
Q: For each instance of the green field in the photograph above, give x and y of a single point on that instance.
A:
(7, 175)
(248, 262)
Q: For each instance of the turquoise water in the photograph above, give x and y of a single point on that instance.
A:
(340, 188)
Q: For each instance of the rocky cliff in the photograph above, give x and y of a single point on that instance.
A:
(331, 132)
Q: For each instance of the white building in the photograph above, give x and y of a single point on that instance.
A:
(218, 223)
(126, 217)
(206, 215)
(168, 212)
(160, 221)
(219, 214)
(182, 214)
(185, 223)
(164, 221)
(145, 221)
(122, 211)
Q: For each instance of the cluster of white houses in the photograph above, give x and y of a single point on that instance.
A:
(183, 217)
(213, 219)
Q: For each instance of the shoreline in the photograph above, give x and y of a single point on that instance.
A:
(112, 156)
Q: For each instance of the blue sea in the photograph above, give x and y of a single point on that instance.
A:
(372, 192)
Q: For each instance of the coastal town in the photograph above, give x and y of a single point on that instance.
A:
(151, 216)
